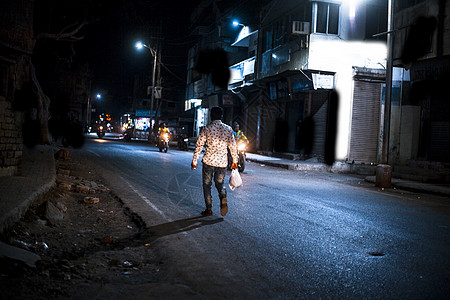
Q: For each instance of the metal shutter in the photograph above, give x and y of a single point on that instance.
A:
(365, 122)
(440, 141)
(319, 114)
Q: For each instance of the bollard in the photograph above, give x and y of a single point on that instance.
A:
(383, 176)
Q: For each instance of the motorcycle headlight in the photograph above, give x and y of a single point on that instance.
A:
(186, 140)
(101, 127)
(241, 146)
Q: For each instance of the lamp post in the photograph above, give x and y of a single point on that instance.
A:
(139, 46)
(384, 171)
(88, 112)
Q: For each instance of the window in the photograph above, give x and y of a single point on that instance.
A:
(267, 40)
(376, 21)
(3, 81)
(327, 18)
(403, 4)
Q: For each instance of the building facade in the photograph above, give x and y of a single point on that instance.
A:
(293, 60)
(16, 44)
(421, 57)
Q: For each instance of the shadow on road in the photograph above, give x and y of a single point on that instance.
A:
(150, 234)
(178, 226)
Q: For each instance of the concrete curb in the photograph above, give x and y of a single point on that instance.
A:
(344, 168)
(416, 187)
(337, 167)
(39, 175)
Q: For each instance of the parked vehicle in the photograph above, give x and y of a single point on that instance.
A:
(100, 131)
(128, 134)
(183, 142)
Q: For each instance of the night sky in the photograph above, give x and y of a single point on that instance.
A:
(108, 43)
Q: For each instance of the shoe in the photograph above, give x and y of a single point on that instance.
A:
(223, 207)
(207, 212)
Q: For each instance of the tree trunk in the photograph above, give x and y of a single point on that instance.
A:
(42, 108)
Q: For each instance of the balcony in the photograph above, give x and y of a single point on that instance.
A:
(242, 72)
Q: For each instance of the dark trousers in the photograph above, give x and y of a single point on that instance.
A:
(208, 173)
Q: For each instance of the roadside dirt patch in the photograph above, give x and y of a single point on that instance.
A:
(84, 245)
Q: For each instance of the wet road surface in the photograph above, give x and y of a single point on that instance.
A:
(288, 234)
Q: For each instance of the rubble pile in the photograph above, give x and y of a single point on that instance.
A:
(73, 183)
(69, 238)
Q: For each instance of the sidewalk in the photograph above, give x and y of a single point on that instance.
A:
(37, 174)
(342, 167)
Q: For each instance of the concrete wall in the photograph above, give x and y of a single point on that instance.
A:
(341, 60)
(410, 128)
(395, 135)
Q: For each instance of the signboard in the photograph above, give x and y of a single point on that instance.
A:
(142, 123)
(227, 100)
(143, 113)
(181, 119)
(323, 81)
(158, 92)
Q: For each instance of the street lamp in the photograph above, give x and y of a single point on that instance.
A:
(139, 45)
(98, 96)
(236, 24)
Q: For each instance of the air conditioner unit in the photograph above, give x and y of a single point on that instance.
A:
(300, 27)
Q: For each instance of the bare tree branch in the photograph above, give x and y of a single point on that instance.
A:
(65, 36)
(59, 36)
(43, 103)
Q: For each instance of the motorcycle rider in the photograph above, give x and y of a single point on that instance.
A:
(239, 137)
(163, 129)
(238, 134)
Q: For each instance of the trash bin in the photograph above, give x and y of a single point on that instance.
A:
(383, 176)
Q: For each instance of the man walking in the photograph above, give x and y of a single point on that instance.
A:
(216, 137)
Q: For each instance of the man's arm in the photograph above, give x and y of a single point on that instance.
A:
(232, 147)
(198, 147)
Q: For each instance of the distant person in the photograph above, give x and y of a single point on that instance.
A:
(163, 129)
(238, 134)
(217, 137)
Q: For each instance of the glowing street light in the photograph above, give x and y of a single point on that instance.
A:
(139, 45)
(98, 96)
(236, 24)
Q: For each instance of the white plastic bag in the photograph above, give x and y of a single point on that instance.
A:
(235, 180)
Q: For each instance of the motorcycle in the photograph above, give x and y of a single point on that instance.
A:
(100, 131)
(128, 134)
(163, 143)
(241, 148)
(183, 142)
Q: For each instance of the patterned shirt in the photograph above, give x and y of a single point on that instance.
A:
(216, 136)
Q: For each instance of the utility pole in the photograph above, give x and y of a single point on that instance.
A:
(384, 170)
(158, 81)
(155, 59)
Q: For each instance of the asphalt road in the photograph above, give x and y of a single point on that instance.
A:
(288, 234)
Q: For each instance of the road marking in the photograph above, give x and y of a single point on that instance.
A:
(94, 153)
(146, 200)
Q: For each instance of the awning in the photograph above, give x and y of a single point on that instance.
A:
(244, 40)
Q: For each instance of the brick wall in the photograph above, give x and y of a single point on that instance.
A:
(11, 141)
(16, 43)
